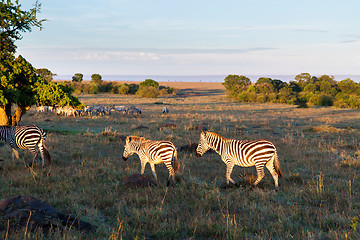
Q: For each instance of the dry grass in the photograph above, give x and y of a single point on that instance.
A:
(318, 148)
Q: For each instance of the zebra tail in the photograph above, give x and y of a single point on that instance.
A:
(175, 162)
(45, 152)
(46, 155)
(277, 165)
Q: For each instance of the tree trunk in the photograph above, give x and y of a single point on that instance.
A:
(20, 111)
(5, 114)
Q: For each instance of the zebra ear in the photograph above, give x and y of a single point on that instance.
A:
(129, 139)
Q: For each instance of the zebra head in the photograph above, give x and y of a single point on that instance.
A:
(132, 146)
(203, 145)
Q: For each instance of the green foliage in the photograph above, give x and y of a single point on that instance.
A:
(45, 73)
(235, 84)
(96, 79)
(123, 89)
(78, 77)
(13, 22)
(149, 83)
(55, 94)
(322, 91)
(163, 91)
(148, 92)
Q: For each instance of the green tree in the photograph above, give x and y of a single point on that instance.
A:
(22, 87)
(149, 83)
(78, 77)
(148, 92)
(303, 78)
(54, 94)
(45, 73)
(18, 78)
(96, 79)
(13, 22)
(348, 86)
(235, 84)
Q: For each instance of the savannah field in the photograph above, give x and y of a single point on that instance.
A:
(318, 197)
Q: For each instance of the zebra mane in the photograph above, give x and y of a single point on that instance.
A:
(135, 139)
(214, 134)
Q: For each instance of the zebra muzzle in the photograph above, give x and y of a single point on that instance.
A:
(124, 158)
(198, 154)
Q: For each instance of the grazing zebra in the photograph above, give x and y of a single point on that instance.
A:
(26, 137)
(165, 110)
(242, 153)
(153, 152)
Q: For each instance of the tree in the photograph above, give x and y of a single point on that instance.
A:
(96, 79)
(234, 84)
(45, 73)
(78, 77)
(18, 78)
(348, 86)
(149, 83)
(13, 21)
(303, 77)
(23, 87)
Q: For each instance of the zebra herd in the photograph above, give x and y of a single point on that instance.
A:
(259, 153)
(89, 110)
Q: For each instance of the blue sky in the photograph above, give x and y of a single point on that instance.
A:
(195, 37)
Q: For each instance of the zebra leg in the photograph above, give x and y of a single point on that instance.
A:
(229, 168)
(260, 173)
(143, 164)
(171, 176)
(153, 170)
(270, 166)
(16, 154)
(34, 153)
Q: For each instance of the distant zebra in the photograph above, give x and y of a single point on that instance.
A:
(153, 152)
(242, 153)
(165, 110)
(26, 137)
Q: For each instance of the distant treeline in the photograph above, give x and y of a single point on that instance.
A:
(148, 88)
(304, 90)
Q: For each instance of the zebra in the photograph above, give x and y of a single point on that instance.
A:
(26, 137)
(165, 110)
(153, 152)
(242, 153)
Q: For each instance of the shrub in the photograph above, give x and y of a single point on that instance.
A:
(321, 100)
(78, 77)
(343, 100)
(149, 83)
(148, 92)
(167, 91)
(96, 79)
(123, 89)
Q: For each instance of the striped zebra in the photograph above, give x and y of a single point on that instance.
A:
(242, 153)
(153, 152)
(26, 137)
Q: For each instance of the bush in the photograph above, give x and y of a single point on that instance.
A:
(96, 79)
(149, 83)
(123, 89)
(148, 92)
(167, 91)
(78, 77)
(343, 100)
(321, 100)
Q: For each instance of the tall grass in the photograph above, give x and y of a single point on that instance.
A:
(318, 198)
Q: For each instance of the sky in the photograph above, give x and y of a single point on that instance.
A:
(195, 37)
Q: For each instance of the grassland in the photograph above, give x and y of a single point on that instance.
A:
(318, 197)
